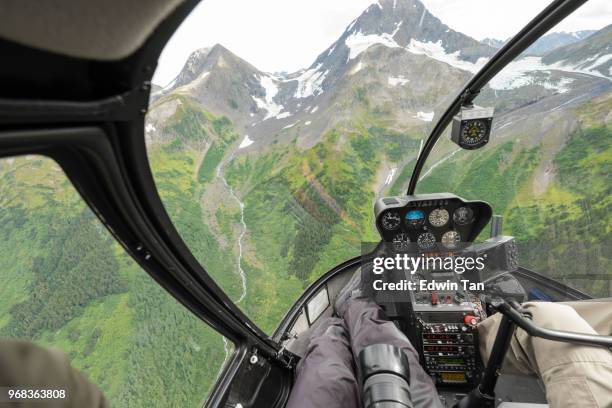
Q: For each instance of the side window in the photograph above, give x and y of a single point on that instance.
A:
(65, 282)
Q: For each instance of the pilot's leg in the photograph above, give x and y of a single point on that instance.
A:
(24, 365)
(574, 375)
(367, 325)
(597, 313)
(325, 376)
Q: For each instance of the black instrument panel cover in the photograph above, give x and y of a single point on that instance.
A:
(482, 213)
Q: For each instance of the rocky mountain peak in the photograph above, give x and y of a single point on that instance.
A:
(193, 66)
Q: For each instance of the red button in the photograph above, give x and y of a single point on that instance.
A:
(434, 298)
(469, 319)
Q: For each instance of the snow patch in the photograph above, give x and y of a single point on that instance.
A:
(272, 108)
(150, 128)
(246, 142)
(397, 28)
(389, 178)
(308, 122)
(290, 126)
(283, 115)
(587, 66)
(422, 17)
(310, 82)
(169, 86)
(350, 27)
(356, 68)
(520, 73)
(313, 110)
(398, 80)
(425, 116)
(358, 42)
(332, 49)
(437, 52)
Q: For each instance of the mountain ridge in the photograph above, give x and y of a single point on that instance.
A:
(391, 44)
(546, 43)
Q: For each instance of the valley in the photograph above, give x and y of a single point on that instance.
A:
(270, 180)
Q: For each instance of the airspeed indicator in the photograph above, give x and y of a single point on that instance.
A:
(391, 220)
(426, 240)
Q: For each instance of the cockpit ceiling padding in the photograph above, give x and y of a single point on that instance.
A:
(99, 30)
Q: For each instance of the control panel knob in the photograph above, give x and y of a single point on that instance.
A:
(471, 320)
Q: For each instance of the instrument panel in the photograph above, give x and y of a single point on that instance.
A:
(430, 222)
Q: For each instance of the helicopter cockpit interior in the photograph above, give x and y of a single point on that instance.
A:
(180, 217)
(440, 316)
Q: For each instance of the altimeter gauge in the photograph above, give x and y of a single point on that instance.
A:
(391, 220)
(463, 215)
(426, 240)
(451, 239)
(438, 217)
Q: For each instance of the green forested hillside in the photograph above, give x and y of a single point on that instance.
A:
(67, 283)
(555, 195)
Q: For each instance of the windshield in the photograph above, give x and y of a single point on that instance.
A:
(270, 150)
(546, 168)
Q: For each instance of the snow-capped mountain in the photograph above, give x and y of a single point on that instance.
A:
(396, 58)
(552, 41)
(547, 42)
(592, 55)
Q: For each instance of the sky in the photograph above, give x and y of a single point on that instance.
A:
(287, 35)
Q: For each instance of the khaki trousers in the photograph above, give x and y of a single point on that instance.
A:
(24, 365)
(574, 375)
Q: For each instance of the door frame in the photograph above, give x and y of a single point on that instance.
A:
(88, 116)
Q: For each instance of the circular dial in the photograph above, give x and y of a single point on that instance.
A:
(391, 220)
(473, 131)
(426, 240)
(438, 217)
(415, 218)
(463, 215)
(451, 239)
(401, 242)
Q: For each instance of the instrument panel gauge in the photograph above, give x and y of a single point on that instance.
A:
(474, 132)
(463, 215)
(426, 240)
(451, 239)
(415, 218)
(438, 217)
(401, 242)
(391, 220)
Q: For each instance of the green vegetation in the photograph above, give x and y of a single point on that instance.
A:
(67, 283)
(58, 279)
(563, 225)
(571, 224)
